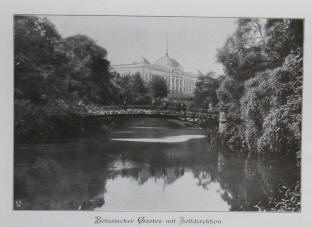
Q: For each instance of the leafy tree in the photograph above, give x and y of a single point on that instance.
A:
(205, 91)
(139, 85)
(259, 44)
(283, 36)
(265, 56)
(139, 89)
(52, 73)
(229, 93)
(243, 53)
(271, 108)
(39, 57)
(91, 70)
(158, 87)
(49, 68)
(132, 88)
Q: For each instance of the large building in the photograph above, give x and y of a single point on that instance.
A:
(178, 81)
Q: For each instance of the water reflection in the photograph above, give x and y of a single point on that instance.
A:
(168, 139)
(104, 174)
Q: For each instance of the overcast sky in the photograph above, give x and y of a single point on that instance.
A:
(192, 41)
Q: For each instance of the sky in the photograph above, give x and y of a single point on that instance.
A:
(192, 41)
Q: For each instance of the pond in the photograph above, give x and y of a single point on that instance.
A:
(143, 165)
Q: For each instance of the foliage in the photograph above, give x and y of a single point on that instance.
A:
(263, 84)
(132, 89)
(258, 45)
(50, 69)
(91, 72)
(263, 61)
(283, 36)
(288, 199)
(271, 107)
(243, 55)
(39, 58)
(158, 87)
(229, 93)
(291, 199)
(34, 121)
(205, 91)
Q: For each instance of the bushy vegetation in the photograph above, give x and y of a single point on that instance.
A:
(271, 108)
(262, 92)
(54, 74)
(158, 87)
(288, 199)
(49, 67)
(205, 91)
(132, 89)
(263, 61)
(263, 85)
(229, 93)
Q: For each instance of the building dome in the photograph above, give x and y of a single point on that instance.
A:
(168, 62)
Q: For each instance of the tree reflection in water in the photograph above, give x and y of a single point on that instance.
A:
(73, 173)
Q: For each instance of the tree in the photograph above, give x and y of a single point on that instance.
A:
(205, 91)
(229, 93)
(258, 45)
(271, 107)
(39, 58)
(243, 53)
(263, 64)
(131, 88)
(158, 87)
(51, 72)
(91, 70)
(139, 89)
(283, 36)
(49, 68)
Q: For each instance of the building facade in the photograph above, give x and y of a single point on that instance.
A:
(178, 81)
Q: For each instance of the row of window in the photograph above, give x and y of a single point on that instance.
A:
(174, 81)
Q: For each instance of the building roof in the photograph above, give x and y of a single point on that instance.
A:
(145, 61)
(164, 62)
(168, 62)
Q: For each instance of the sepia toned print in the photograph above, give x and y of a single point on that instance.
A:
(120, 113)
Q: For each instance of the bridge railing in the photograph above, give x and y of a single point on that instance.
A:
(149, 107)
(144, 109)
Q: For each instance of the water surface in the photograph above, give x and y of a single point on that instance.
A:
(148, 165)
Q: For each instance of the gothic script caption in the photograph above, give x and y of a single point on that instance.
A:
(149, 220)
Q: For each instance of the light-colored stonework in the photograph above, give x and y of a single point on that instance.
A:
(178, 81)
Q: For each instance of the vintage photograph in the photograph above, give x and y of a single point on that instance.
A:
(157, 113)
